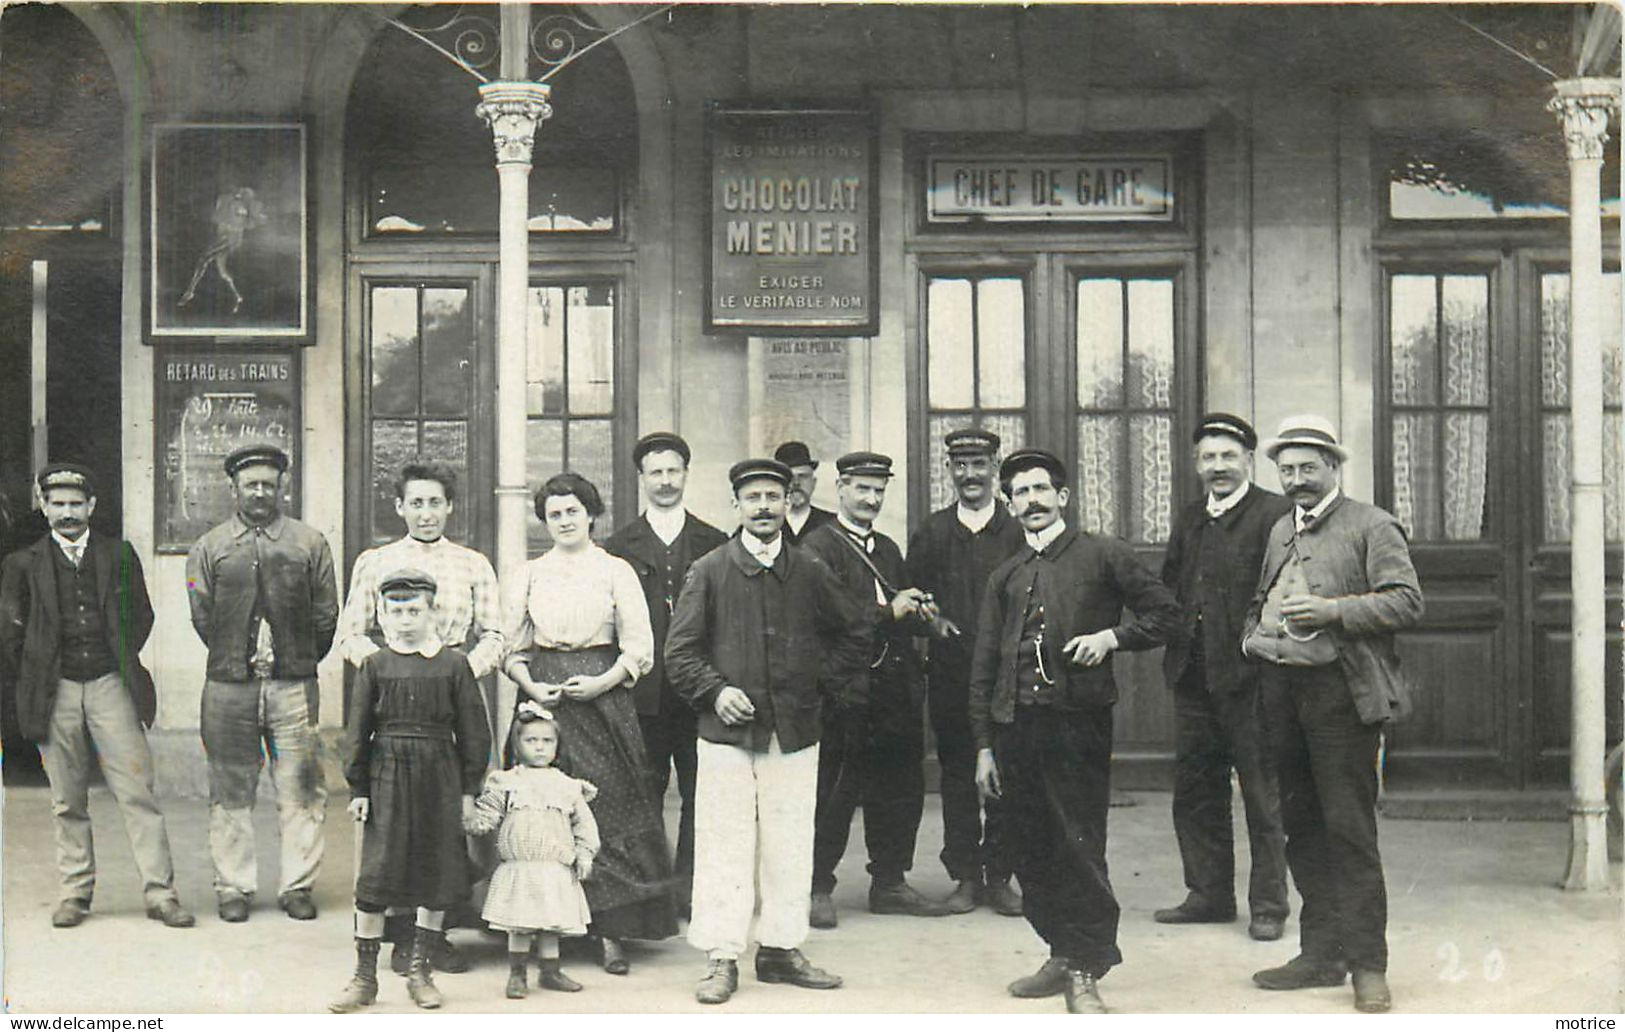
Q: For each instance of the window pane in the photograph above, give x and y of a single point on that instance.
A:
(1100, 343)
(1554, 340)
(1151, 478)
(948, 344)
(394, 444)
(394, 351)
(446, 442)
(448, 351)
(1416, 474)
(1001, 337)
(1466, 475)
(1100, 445)
(1151, 343)
(590, 335)
(1466, 328)
(592, 454)
(544, 376)
(1413, 339)
(544, 456)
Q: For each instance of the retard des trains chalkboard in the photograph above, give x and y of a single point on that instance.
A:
(210, 402)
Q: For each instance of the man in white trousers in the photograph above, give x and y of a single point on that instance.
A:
(747, 646)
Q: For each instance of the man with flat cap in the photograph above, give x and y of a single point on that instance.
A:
(874, 737)
(950, 556)
(661, 545)
(1336, 586)
(754, 629)
(802, 517)
(74, 614)
(265, 602)
(1041, 697)
(1212, 563)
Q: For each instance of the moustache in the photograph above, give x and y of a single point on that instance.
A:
(1035, 510)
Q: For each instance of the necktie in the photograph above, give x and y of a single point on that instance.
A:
(76, 554)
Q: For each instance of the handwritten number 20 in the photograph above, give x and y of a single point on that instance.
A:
(1494, 965)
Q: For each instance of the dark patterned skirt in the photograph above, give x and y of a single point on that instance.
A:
(412, 852)
(631, 888)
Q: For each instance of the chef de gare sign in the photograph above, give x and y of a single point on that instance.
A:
(1033, 189)
(792, 221)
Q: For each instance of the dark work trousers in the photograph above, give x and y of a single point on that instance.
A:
(1326, 762)
(669, 737)
(1214, 734)
(872, 757)
(973, 844)
(1055, 776)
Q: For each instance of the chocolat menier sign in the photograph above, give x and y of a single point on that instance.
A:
(793, 221)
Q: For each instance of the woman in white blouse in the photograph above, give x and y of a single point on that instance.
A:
(578, 632)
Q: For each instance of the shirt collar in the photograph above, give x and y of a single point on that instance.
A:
(666, 523)
(764, 552)
(1302, 519)
(795, 524)
(273, 530)
(852, 528)
(1217, 507)
(64, 544)
(428, 648)
(418, 543)
(974, 520)
(1044, 538)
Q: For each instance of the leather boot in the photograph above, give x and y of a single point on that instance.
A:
(1082, 995)
(398, 933)
(517, 989)
(363, 987)
(555, 979)
(1371, 995)
(419, 982)
(1002, 897)
(963, 899)
(1049, 979)
(821, 911)
(720, 982)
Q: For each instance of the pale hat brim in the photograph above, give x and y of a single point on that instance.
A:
(1272, 445)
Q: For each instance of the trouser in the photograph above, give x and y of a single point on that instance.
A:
(1326, 760)
(1214, 734)
(973, 841)
(669, 739)
(871, 757)
(243, 722)
(753, 831)
(90, 721)
(1055, 775)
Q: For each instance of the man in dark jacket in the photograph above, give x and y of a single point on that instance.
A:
(873, 752)
(1041, 696)
(74, 614)
(661, 545)
(802, 517)
(753, 629)
(1336, 586)
(265, 602)
(1212, 566)
(950, 557)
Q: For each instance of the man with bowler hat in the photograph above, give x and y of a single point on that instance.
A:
(950, 556)
(802, 517)
(661, 545)
(74, 614)
(755, 626)
(1336, 586)
(265, 602)
(874, 737)
(1041, 697)
(1212, 564)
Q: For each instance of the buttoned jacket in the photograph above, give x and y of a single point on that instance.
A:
(1357, 554)
(1237, 539)
(30, 626)
(953, 562)
(643, 550)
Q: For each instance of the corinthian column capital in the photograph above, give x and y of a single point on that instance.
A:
(1583, 106)
(514, 110)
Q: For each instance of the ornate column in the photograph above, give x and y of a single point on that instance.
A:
(514, 109)
(1583, 106)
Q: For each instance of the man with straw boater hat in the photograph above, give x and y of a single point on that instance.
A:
(1336, 586)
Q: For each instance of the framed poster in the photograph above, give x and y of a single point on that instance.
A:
(228, 252)
(210, 401)
(793, 222)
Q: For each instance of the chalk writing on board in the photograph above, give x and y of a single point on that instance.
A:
(209, 406)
